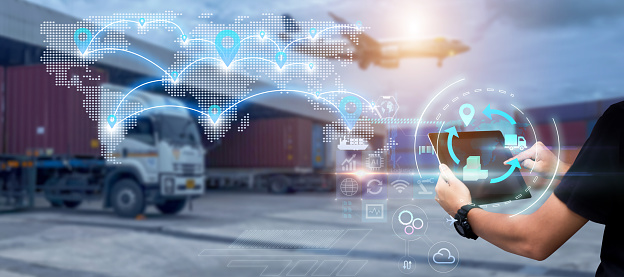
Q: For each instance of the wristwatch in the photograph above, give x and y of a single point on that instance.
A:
(461, 224)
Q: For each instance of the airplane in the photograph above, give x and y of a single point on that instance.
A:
(386, 54)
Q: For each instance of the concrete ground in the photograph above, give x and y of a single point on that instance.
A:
(233, 233)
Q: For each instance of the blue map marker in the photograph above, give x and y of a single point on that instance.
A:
(82, 44)
(214, 111)
(142, 21)
(227, 54)
(358, 24)
(111, 119)
(174, 75)
(318, 93)
(262, 34)
(351, 117)
(280, 59)
(184, 38)
(311, 65)
(466, 118)
(312, 32)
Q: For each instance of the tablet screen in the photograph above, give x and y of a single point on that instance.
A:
(481, 155)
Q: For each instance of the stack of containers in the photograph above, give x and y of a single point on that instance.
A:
(41, 116)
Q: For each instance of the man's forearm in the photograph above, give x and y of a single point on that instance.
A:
(501, 230)
(534, 236)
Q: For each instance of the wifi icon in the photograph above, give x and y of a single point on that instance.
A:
(400, 185)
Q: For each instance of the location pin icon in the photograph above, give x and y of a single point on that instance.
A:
(214, 111)
(174, 75)
(358, 24)
(318, 93)
(112, 119)
(351, 115)
(227, 53)
(183, 38)
(466, 117)
(280, 58)
(312, 32)
(142, 21)
(311, 65)
(82, 44)
(262, 34)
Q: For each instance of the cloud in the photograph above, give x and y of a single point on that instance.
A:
(449, 259)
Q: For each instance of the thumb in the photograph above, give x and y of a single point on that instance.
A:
(447, 174)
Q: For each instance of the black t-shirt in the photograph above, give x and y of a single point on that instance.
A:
(594, 186)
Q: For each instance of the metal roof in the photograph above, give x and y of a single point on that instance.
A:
(20, 21)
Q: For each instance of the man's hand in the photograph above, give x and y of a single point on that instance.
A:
(545, 162)
(451, 193)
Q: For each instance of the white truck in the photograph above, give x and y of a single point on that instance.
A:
(161, 163)
(513, 141)
(161, 159)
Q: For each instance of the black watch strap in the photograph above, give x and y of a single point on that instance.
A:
(461, 224)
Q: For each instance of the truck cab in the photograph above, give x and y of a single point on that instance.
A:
(159, 162)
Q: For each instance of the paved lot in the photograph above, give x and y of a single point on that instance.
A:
(207, 241)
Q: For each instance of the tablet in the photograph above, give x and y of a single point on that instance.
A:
(481, 155)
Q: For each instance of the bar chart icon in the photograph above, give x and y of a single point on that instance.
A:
(349, 164)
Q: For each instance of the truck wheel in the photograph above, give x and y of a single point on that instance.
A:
(71, 204)
(172, 206)
(279, 184)
(127, 198)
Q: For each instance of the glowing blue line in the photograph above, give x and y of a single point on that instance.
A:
(164, 106)
(276, 45)
(294, 64)
(126, 20)
(421, 117)
(294, 42)
(348, 92)
(123, 50)
(234, 105)
(282, 90)
(246, 39)
(258, 58)
(309, 37)
(554, 174)
(338, 26)
(163, 20)
(124, 98)
(264, 92)
(206, 58)
(123, 20)
(201, 39)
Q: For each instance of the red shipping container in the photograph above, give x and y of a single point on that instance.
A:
(41, 115)
(573, 133)
(266, 143)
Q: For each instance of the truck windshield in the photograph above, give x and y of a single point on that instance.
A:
(178, 130)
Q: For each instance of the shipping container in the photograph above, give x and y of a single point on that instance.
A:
(267, 143)
(2, 106)
(43, 116)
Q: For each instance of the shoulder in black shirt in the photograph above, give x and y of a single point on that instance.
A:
(594, 186)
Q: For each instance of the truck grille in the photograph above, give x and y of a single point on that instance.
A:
(185, 169)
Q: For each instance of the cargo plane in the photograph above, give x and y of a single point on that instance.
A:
(386, 54)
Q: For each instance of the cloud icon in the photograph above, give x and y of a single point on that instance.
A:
(443, 259)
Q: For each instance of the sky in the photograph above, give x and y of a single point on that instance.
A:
(547, 52)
